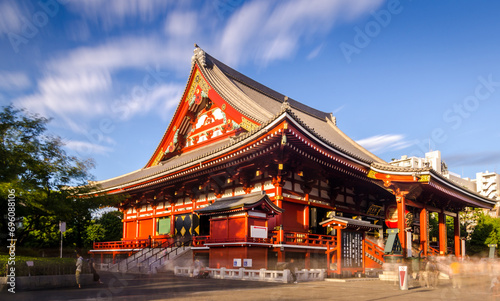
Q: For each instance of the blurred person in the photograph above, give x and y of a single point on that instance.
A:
(456, 273)
(291, 266)
(196, 268)
(79, 264)
(96, 276)
(432, 273)
(495, 286)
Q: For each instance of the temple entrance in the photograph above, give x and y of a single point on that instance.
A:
(316, 216)
(186, 225)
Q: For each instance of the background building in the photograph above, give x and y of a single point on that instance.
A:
(486, 183)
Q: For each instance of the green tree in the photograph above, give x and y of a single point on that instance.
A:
(38, 172)
(487, 231)
(108, 227)
(112, 222)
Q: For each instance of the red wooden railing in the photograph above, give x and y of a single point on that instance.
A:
(375, 251)
(129, 244)
(305, 239)
(199, 241)
(433, 252)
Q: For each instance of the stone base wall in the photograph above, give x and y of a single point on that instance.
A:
(28, 283)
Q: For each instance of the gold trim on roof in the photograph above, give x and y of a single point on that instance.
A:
(424, 178)
(198, 80)
(247, 124)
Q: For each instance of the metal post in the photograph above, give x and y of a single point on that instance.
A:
(62, 228)
(61, 243)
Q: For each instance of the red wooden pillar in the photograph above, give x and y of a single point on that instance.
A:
(136, 227)
(306, 218)
(442, 233)
(339, 251)
(279, 202)
(458, 241)
(172, 219)
(153, 235)
(424, 231)
(247, 231)
(401, 205)
(124, 224)
(307, 261)
(281, 255)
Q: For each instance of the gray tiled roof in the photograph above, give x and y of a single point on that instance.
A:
(352, 222)
(267, 102)
(259, 103)
(237, 202)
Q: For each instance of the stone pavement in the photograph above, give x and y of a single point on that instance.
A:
(168, 287)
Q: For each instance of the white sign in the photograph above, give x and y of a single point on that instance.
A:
(29, 263)
(237, 262)
(409, 244)
(247, 263)
(258, 232)
(62, 227)
(403, 277)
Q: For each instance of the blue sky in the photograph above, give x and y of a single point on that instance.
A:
(400, 76)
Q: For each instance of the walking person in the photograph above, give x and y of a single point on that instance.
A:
(79, 264)
(432, 272)
(97, 278)
(291, 266)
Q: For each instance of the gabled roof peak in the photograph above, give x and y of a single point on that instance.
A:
(199, 55)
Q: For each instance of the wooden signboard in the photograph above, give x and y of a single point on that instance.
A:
(352, 249)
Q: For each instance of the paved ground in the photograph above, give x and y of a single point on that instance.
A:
(168, 287)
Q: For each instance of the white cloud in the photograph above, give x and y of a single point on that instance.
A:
(9, 18)
(263, 33)
(84, 148)
(181, 24)
(337, 110)
(77, 83)
(126, 52)
(315, 52)
(112, 13)
(162, 99)
(14, 80)
(69, 95)
(384, 143)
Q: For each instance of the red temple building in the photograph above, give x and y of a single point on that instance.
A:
(247, 176)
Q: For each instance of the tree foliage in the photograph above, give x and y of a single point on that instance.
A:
(48, 184)
(487, 231)
(106, 228)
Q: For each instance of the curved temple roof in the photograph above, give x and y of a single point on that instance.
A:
(264, 106)
(258, 103)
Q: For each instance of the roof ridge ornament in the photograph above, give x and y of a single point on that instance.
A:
(199, 55)
(333, 119)
(285, 106)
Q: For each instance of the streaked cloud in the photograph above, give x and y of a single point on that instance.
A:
(112, 13)
(10, 20)
(161, 99)
(125, 52)
(73, 94)
(384, 143)
(314, 53)
(181, 24)
(14, 80)
(263, 33)
(84, 148)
